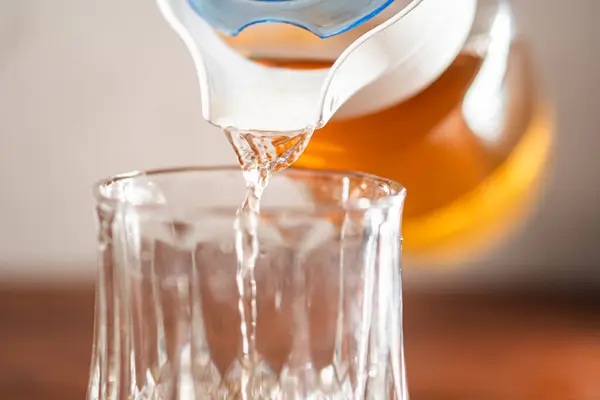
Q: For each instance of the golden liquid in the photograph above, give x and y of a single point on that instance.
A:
(463, 192)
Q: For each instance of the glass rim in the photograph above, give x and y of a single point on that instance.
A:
(395, 198)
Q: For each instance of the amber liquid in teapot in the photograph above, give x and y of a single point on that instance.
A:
(466, 189)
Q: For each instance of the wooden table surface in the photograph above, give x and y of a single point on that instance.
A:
(463, 346)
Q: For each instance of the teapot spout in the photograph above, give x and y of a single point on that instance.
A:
(413, 41)
(239, 92)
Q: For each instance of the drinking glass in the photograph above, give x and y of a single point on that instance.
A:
(326, 302)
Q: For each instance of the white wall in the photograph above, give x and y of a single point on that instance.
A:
(89, 88)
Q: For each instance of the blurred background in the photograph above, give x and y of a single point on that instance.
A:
(93, 88)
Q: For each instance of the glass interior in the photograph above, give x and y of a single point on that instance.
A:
(323, 318)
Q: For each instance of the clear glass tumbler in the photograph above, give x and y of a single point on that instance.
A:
(328, 288)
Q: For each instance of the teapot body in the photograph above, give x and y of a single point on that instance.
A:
(448, 105)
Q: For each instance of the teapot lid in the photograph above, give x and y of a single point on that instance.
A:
(324, 18)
